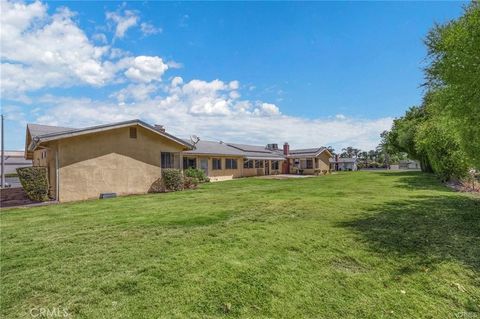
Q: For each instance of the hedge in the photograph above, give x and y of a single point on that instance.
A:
(197, 174)
(34, 181)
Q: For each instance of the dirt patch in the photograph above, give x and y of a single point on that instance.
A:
(464, 187)
(11, 197)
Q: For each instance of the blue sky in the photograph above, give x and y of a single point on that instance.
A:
(323, 73)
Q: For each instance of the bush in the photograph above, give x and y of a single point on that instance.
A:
(196, 173)
(34, 181)
(172, 179)
(190, 182)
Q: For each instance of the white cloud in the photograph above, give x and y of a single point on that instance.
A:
(135, 92)
(267, 109)
(232, 126)
(41, 50)
(174, 65)
(176, 81)
(46, 50)
(149, 29)
(123, 22)
(100, 37)
(146, 69)
(234, 85)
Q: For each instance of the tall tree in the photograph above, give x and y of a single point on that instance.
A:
(454, 73)
(401, 138)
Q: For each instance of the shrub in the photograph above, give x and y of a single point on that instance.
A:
(34, 181)
(190, 182)
(196, 173)
(172, 179)
(157, 186)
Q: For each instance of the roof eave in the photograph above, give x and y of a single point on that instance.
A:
(101, 128)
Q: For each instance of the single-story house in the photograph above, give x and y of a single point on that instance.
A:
(123, 158)
(127, 158)
(343, 164)
(221, 160)
(14, 160)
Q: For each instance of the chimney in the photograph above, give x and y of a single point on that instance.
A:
(286, 149)
(159, 128)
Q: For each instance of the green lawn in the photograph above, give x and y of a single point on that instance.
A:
(349, 245)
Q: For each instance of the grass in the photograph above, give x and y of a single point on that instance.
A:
(350, 245)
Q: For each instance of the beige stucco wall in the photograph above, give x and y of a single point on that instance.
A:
(220, 174)
(225, 174)
(110, 161)
(323, 161)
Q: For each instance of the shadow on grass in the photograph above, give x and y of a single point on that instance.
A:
(414, 180)
(429, 229)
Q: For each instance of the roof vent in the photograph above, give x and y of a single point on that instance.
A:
(272, 147)
(159, 128)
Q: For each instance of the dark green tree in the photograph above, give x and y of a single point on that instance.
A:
(454, 73)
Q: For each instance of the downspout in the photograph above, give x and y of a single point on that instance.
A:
(57, 177)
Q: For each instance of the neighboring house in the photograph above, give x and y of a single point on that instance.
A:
(14, 160)
(408, 164)
(308, 161)
(343, 164)
(124, 158)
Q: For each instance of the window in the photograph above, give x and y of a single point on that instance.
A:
(247, 164)
(230, 163)
(275, 165)
(309, 164)
(216, 163)
(167, 160)
(133, 132)
(258, 164)
(189, 162)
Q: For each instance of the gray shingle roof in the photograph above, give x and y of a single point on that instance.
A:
(216, 148)
(222, 148)
(39, 130)
(307, 152)
(250, 148)
(46, 132)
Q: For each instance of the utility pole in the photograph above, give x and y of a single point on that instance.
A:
(3, 155)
